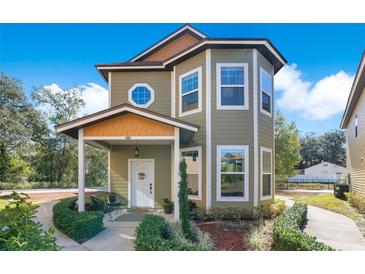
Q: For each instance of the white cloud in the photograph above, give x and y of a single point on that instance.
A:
(94, 96)
(317, 101)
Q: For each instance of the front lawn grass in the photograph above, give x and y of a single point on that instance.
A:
(3, 203)
(331, 203)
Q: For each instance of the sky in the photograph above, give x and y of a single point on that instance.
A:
(311, 90)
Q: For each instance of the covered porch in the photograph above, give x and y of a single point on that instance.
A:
(143, 153)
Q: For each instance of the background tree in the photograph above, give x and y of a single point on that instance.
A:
(328, 147)
(31, 150)
(97, 167)
(60, 107)
(333, 147)
(287, 146)
(21, 126)
(311, 150)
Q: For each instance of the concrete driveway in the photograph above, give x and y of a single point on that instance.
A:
(117, 235)
(336, 230)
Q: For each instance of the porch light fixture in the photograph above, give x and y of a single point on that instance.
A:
(194, 156)
(136, 152)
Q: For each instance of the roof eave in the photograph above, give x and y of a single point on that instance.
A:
(354, 93)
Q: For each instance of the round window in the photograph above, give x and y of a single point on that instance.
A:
(141, 95)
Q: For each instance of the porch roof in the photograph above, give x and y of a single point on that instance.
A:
(71, 128)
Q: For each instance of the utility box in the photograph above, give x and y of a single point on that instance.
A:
(340, 189)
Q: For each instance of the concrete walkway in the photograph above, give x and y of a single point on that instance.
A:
(336, 230)
(115, 236)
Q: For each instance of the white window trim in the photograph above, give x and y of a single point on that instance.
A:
(199, 109)
(141, 85)
(246, 175)
(199, 149)
(269, 150)
(245, 86)
(262, 71)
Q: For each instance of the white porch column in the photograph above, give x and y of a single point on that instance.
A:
(109, 172)
(176, 173)
(81, 155)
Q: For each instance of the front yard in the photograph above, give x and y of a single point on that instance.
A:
(331, 203)
(3, 203)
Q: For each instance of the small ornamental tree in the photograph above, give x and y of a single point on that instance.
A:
(183, 200)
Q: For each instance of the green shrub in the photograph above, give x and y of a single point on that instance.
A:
(18, 232)
(356, 201)
(154, 233)
(225, 213)
(260, 238)
(270, 211)
(288, 235)
(78, 226)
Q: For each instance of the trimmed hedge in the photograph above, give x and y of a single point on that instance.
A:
(78, 226)
(288, 233)
(155, 234)
(224, 213)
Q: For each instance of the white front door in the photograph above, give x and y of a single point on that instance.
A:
(142, 183)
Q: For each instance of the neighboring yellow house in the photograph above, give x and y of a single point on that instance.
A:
(208, 100)
(353, 121)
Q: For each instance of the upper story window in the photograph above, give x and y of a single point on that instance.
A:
(232, 173)
(266, 92)
(190, 92)
(356, 124)
(232, 86)
(141, 95)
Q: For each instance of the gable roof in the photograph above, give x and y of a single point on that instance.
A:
(71, 128)
(186, 29)
(328, 163)
(263, 45)
(356, 90)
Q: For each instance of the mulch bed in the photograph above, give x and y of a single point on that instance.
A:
(225, 238)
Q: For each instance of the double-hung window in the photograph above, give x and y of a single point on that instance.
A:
(266, 92)
(266, 173)
(193, 161)
(190, 92)
(232, 173)
(232, 86)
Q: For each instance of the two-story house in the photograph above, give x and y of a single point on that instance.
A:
(208, 100)
(353, 121)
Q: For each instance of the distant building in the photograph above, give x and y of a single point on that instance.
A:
(324, 172)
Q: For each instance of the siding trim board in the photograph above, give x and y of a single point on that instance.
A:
(173, 92)
(208, 121)
(255, 130)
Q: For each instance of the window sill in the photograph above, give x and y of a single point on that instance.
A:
(220, 107)
(232, 199)
(269, 114)
(182, 114)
